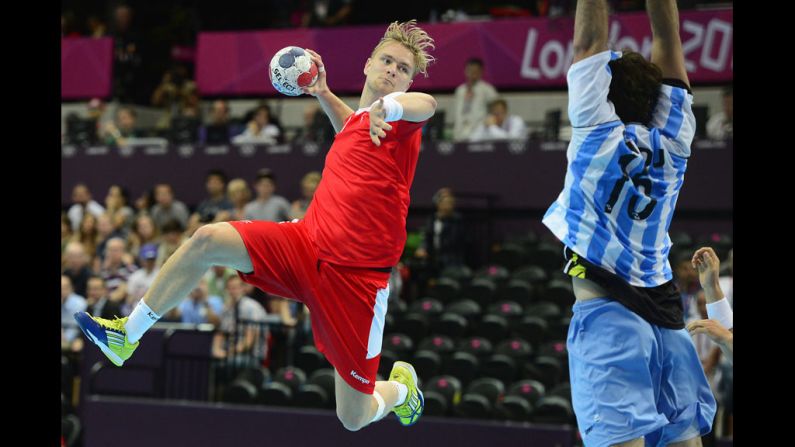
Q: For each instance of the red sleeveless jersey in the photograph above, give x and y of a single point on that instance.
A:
(358, 214)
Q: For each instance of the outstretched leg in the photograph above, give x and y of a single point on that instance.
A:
(216, 244)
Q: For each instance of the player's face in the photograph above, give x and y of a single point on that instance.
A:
(390, 69)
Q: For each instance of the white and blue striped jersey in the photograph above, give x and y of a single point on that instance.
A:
(622, 180)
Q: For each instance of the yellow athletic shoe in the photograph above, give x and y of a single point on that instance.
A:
(109, 335)
(409, 411)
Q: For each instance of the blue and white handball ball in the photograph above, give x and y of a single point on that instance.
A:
(291, 69)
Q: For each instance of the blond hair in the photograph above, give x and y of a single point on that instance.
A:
(313, 177)
(238, 185)
(415, 39)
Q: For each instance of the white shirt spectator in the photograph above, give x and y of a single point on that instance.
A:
(512, 128)
(74, 303)
(470, 111)
(718, 127)
(75, 213)
(267, 135)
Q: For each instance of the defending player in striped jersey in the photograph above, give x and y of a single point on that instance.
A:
(634, 371)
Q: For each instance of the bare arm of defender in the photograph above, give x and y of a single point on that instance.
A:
(666, 47)
(590, 29)
(336, 110)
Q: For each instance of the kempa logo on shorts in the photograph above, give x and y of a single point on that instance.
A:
(359, 378)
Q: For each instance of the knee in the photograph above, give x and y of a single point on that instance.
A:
(352, 421)
(204, 238)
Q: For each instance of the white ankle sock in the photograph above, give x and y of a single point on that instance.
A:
(402, 390)
(141, 319)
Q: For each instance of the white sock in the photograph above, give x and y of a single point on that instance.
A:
(141, 319)
(402, 390)
(381, 406)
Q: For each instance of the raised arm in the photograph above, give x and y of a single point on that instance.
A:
(336, 110)
(666, 47)
(590, 28)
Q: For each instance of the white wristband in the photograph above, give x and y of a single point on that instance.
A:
(393, 109)
(722, 312)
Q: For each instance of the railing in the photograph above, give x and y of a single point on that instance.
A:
(175, 361)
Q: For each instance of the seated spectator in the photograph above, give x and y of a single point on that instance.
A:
(172, 237)
(498, 125)
(141, 279)
(471, 100)
(105, 232)
(201, 307)
(166, 95)
(216, 207)
(99, 302)
(71, 303)
(144, 203)
(117, 268)
(76, 267)
(66, 232)
(238, 314)
(87, 235)
(167, 207)
(239, 194)
(116, 204)
(260, 129)
(308, 186)
(216, 278)
(82, 201)
(143, 232)
(98, 112)
(123, 131)
(267, 206)
(445, 240)
(720, 125)
(189, 105)
(218, 130)
(317, 127)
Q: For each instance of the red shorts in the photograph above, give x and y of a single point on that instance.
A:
(347, 305)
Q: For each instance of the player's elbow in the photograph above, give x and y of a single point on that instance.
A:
(431, 101)
(427, 107)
